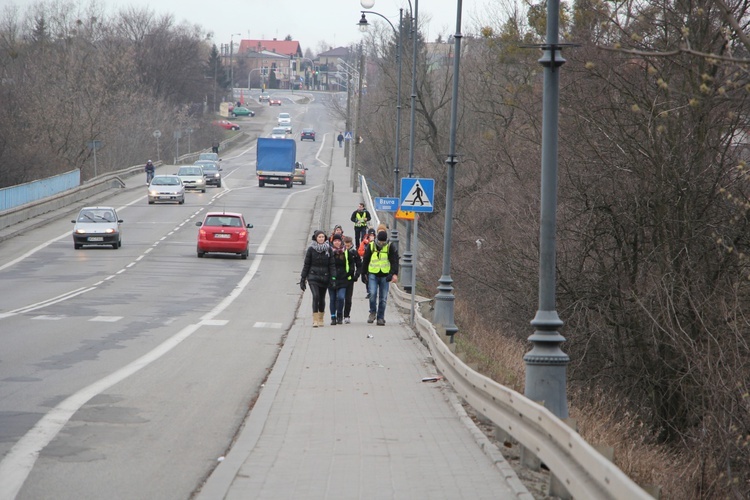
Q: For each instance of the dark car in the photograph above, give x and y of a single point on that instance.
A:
(211, 171)
(307, 133)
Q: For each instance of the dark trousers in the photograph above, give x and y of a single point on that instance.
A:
(359, 233)
(348, 300)
(318, 296)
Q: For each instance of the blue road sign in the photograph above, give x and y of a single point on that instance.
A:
(386, 204)
(347, 136)
(417, 194)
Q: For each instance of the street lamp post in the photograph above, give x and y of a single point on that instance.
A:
(444, 300)
(546, 363)
(363, 25)
(406, 268)
(231, 66)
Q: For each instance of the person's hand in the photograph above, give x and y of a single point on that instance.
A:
(365, 276)
(332, 282)
(394, 278)
(356, 277)
(302, 285)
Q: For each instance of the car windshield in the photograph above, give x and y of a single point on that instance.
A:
(96, 216)
(307, 131)
(190, 171)
(223, 221)
(212, 168)
(283, 115)
(166, 181)
(208, 156)
(279, 130)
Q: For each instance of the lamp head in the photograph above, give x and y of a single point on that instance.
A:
(367, 4)
(363, 24)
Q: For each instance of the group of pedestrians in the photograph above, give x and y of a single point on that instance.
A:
(335, 263)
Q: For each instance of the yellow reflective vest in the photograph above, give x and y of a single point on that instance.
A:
(379, 262)
(361, 219)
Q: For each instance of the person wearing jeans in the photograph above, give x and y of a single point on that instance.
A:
(380, 267)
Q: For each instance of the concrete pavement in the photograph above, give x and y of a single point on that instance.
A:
(345, 414)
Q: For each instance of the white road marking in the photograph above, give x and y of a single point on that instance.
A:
(18, 463)
(106, 319)
(261, 324)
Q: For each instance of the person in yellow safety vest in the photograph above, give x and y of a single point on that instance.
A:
(360, 218)
(346, 270)
(379, 270)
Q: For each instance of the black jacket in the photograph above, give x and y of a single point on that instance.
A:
(319, 266)
(392, 258)
(367, 216)
(343, 278)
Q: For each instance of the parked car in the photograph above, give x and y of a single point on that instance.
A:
(226, 124)
(274, 102)
(224, 232)
(284, 118)
(264, 96)
(97, 226)
(209, 156)
(307, 133)
(278, 133)
(211, 171)
(192, 177)
(300, 173)
(166, 188)
(242, 111)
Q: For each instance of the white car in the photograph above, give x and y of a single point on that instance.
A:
(166, 188)
(278, 133)
(285, 119)
(192, 177)
(97, 226)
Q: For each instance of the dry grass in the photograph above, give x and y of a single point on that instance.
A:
(602, 418)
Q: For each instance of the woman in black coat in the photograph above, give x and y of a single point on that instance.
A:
(318, 271)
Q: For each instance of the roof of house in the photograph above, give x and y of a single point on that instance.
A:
(337, 52)
(284, 47)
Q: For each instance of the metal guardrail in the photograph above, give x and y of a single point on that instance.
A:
(579, 468)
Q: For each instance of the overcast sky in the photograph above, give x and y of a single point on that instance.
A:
(308, 21)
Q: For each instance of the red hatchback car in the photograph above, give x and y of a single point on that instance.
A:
(274, 102)
(223, 232)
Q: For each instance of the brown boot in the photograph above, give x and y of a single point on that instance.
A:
(321, 319)
(315, 320)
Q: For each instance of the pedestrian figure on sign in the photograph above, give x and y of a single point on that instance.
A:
(340, 138)
(418, 196)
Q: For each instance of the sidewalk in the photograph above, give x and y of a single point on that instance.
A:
(344, 414)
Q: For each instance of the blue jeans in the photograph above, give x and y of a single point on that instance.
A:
(337, 297)
(377, 287)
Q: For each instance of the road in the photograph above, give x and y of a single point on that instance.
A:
(127, 373)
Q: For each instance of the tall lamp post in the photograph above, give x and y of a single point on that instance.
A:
(231, 66)
(444, 300)
(546, 363)
(363, 25)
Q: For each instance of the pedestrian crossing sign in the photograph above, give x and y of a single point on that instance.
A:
(417, 194)
(347, 136)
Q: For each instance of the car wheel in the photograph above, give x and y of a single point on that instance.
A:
(234, 115)
(77, 246)
(304, 182)
(182, 201)
(203, 190)
(218, 185)
(150, 202)
(290, 185)
(119, 244)
(201, 254)
(261, 184)
(235, 128)
(244, 254)
(115, 246)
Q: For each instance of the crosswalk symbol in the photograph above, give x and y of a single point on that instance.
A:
(348, 136)
(417, 197)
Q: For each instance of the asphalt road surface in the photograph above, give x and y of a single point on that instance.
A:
(127, 373)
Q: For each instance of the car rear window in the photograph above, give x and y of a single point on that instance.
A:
(190, 171)
(224, 220)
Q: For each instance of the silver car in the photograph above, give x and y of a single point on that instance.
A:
(192, 177)
(211, 171)
(209, 156)
(166, 188)
(278, 133)
(97, 226)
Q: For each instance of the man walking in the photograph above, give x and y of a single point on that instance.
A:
(340, 138)
(360, 218)
(379, 270)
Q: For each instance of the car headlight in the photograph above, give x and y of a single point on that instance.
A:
(80, 231)
(153, 193)
(109, 230)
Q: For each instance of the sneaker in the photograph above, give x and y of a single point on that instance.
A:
(371, 318)
(368, 296)
(347, 320)
(333, 320)
(339, 321)
(381, 322)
